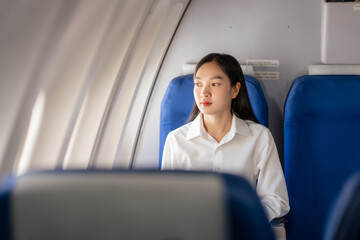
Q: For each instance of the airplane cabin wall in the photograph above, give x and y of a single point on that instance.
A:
(288, 31)
(24, 29)
(76, 77)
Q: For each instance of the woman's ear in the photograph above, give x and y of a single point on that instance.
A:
(236, 90)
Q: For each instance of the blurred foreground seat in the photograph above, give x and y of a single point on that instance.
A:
(130, 205)
(344, 222)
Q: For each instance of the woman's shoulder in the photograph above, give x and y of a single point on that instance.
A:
(261, 133)
(180, 132)
(257, 128)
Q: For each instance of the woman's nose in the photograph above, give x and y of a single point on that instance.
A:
(205, 92)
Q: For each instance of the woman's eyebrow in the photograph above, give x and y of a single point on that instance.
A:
(212, 78)
(217, 77)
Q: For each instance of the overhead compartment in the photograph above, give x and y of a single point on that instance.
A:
(340, 33)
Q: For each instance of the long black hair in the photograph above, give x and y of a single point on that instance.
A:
(240, 106)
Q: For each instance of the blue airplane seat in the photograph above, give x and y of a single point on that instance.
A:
(343, 222)
(321, 147)
(101, 204)
(178, 102)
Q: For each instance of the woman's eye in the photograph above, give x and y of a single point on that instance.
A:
(215, 84)
(197, 84)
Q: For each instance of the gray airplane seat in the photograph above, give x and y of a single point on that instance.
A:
(130, 205)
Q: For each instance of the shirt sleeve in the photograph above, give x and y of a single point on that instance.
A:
(167, 159)
(271, 186)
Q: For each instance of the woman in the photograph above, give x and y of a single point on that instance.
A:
(225, 136)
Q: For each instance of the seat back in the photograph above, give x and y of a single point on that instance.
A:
(178, 102)
(131, 205)
(321, 147)
(343, 221)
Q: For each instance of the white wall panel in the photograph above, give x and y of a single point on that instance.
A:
(24, 36)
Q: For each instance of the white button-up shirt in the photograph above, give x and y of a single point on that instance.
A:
(248, 149)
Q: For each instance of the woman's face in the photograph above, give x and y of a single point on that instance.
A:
(213, 91)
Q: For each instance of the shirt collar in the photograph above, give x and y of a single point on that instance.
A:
(197, 128)
(240, 126)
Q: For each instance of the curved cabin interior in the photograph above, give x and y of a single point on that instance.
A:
(82, 86)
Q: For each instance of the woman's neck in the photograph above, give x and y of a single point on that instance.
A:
(217, 125)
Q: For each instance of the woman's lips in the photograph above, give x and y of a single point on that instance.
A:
(206, 104)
